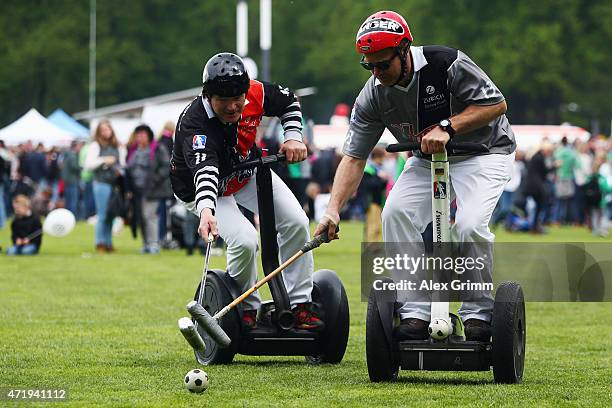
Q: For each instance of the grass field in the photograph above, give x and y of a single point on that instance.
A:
(104, 328)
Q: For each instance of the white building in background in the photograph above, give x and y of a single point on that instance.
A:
(154, 111)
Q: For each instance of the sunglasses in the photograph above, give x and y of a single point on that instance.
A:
(381, 65)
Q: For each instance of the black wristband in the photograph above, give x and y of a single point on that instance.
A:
(447, 126)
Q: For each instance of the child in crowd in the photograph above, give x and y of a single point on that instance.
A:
(26, 230)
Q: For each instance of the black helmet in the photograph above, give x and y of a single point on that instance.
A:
(225, 75)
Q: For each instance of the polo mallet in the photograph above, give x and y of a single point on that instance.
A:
(186, 326)
(211, 323)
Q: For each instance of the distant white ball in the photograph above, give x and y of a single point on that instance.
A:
(59, 222)
(196, 381)
(439, 329)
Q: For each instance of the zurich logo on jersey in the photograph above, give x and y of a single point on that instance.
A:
(430, 89)
(199, 142)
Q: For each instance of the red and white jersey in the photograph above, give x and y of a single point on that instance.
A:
(206, 149)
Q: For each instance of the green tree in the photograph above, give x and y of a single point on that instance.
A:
(542, 54)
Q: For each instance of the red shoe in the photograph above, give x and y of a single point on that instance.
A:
(306, 318)
(249, 319)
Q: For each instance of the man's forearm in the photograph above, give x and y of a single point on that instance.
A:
(346, 181)
(475, 116)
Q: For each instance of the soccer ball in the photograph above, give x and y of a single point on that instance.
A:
(439, 329)
(196, 381)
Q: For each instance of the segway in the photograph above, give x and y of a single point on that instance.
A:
(275, 334)
(505, 353)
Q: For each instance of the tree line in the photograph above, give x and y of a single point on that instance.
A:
(550, 58)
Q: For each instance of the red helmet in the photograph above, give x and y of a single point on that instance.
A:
(382, 30)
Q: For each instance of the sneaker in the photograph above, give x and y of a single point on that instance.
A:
(477, 330)
(249, 319)
(101, 249)
(306, 318)
(412, 329)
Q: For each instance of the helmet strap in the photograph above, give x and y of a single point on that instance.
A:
(401, 51)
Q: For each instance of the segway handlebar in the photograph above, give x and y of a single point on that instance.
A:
(275, 158)
(451, 146)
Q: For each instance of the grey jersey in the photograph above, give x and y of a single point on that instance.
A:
(444, 83)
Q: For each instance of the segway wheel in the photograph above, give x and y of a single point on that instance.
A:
(216, 296)
(329, 292)
(509, 330)
(382, 359)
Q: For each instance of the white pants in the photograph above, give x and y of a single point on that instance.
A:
(242, 243)
(477, 183)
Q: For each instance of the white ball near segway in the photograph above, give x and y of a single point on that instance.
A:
(196, 381)
(59, 222)
(439, 329)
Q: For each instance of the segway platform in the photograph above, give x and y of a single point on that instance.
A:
(269, 339)
(440, 356)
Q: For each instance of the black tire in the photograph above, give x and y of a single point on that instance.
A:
(329, 292)
(509, 334)
(382, 358)
(216, 296)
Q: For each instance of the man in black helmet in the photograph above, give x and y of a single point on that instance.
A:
(216, 131)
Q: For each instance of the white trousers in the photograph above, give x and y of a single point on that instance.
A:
(242, 243)
(477, 183)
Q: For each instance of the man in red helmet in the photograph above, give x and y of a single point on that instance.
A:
(428, 94)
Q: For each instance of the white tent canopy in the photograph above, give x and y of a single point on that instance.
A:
(35, 127)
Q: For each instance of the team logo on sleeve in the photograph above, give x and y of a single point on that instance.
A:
(199, 142)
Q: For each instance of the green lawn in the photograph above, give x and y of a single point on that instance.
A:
(104, 328)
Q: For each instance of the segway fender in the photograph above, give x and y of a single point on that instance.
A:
(386, 301)
(328, 292)
(228, 282)
(329, 285)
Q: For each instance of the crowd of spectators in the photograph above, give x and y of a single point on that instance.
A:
(102, 181)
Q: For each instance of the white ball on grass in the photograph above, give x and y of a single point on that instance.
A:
(196, 381)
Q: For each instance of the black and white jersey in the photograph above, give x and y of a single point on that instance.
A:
(206, 149)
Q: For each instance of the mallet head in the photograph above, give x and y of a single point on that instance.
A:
(191, 334)
(210, 325)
